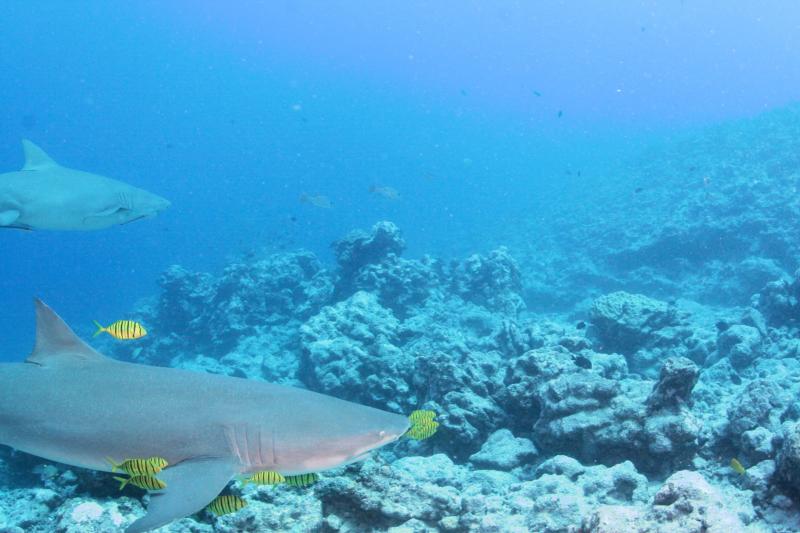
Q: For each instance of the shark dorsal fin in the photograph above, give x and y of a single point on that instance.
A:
(35, 157)
(56, 343)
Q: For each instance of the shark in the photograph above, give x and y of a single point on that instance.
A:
(71, 404)
(47, 196)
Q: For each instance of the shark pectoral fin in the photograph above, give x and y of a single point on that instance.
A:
(191, 485)
(8, 217)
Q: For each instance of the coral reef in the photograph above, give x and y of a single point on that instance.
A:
(621, 414)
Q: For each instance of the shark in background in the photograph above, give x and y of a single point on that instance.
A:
(71, 404)
(46, 195)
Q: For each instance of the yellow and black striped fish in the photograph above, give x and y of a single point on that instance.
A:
(124, 330)
(737, 467)
(265, 477)
(139, 467)
(143, 482)
(302, 480)
(419, 415)
(226, 504)
(422, 430)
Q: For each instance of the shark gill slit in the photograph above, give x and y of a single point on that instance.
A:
(274, 458)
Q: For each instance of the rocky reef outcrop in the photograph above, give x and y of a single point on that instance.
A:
(622, 414)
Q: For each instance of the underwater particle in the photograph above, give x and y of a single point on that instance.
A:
(422, 430)
(580, 325)
(390, 193)
(560, 113)
(122, 330)
(265, 477)
(637, 190)
(420, 415)
(317, 200)
(737, 467)
(463, 92)
(226, 504)
(143, 482)
(139, 467)
(302, 480)
(537, 93)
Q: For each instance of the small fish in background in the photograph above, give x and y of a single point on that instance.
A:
(139, 467)
(463, 92)
(537, 94)
(422, 430)
(265, 477)
(560, 113)
(737, 467)
(420, 415)
(124, 330)
(637, 190)
(390, 193)
(317, 200)
(302, 480)
(580, 325)
(226, 504)
(143, 482)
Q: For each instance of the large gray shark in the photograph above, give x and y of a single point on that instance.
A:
(71, 404)
(45, 195)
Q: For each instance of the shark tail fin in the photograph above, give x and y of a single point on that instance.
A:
(123, 481)
(100, 329)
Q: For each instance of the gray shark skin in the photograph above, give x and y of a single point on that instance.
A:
(71, 404)
(45, 195)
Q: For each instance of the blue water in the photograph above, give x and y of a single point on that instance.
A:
(472, 111)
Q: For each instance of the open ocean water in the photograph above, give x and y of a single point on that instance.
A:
(568, 229)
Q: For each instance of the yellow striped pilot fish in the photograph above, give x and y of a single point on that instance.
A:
(302, 480)
(422, 430)
(419, 415)
(737, 467)
(143, 482)
(265, 477)
(226, 504)
(124, 330)
(139, 467)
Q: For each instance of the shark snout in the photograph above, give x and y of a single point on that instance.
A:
(160, 204)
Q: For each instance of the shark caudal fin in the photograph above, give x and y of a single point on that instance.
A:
(56, 343)
(100, 328)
